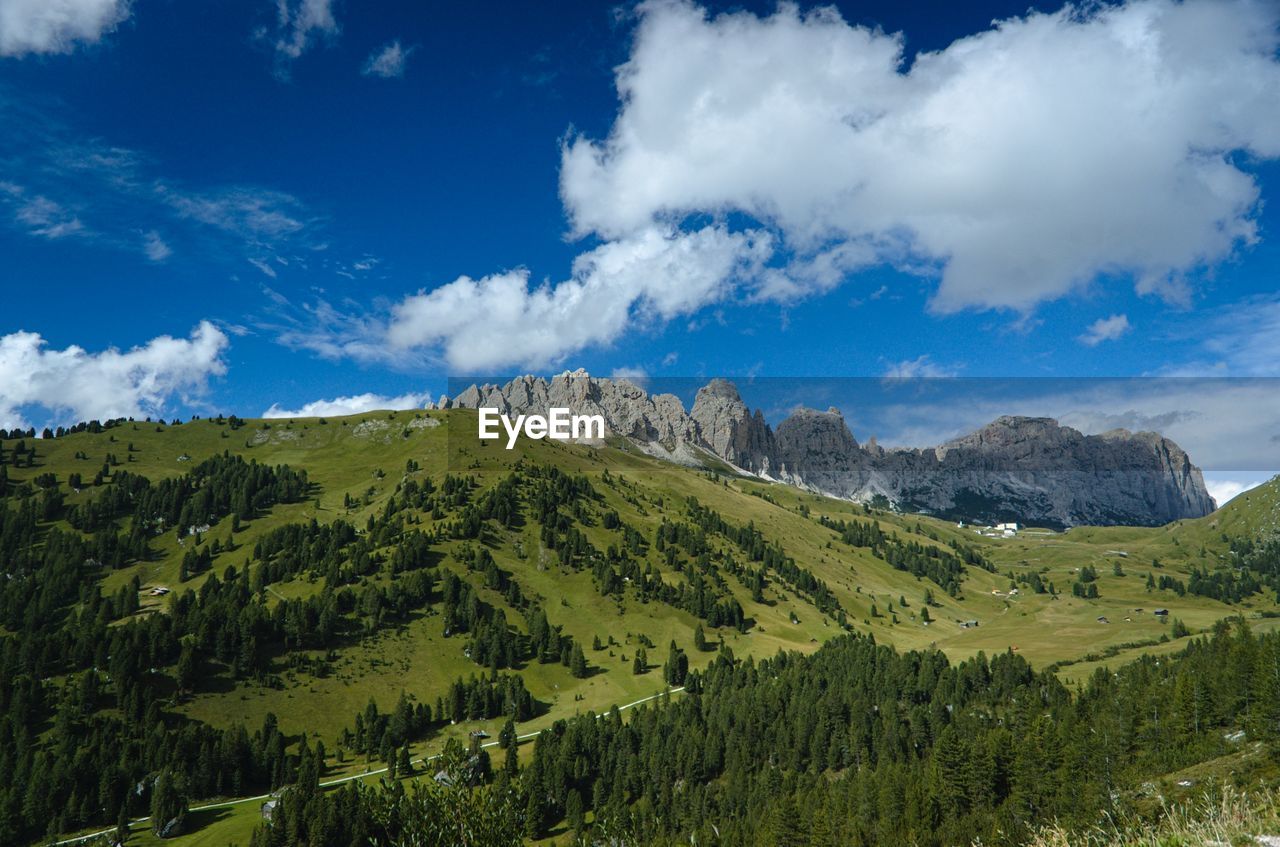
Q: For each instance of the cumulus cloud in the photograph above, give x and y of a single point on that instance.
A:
(387, 62)
(73, 384)
(1105, 329)
(56, 26)
(1017, 164)
(500, 320)
(353, 405)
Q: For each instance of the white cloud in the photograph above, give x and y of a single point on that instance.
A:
(500, 320)
(1019, 163)
(1105, 329)
(1240, 339)
(1224, 490)
(633, 374)
(262, 265)
(116, 198)
(155, 247)
(74, 384)
(483, 325)
(921, 367)
(387, 62)
(48, 219)
(301, 23)
(353, 405)
(260, 217)
(39, 215)
(56, 26)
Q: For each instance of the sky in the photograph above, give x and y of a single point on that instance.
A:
(285, 206)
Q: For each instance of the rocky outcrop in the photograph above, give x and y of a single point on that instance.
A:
(1030, 470)
(729, 429)
(657, 421)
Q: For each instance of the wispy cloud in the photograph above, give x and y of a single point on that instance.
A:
(54, 185)
(41, 216)
(1239, 339)
(262, 265)
(155, 247)
(921, 367)
(388, 62)
(259, 217)
(300, 24)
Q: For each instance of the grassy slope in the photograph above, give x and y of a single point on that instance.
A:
(343, 456)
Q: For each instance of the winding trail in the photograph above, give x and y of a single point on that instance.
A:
(222, 804)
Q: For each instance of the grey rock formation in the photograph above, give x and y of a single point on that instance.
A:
(728, 428)
(627, 409)
(1030, 470)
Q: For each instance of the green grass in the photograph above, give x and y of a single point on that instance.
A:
(1226, 817)
(343, 457)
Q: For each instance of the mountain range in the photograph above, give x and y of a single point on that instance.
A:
(1031, 470)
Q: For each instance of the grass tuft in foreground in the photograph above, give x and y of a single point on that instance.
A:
(1231, 817)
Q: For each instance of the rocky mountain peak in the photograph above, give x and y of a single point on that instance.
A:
(1029, 469)
(722, 388)
(730, 430)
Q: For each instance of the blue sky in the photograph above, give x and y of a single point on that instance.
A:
(314, 199)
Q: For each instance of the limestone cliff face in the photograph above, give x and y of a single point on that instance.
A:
(1031, 470)
(729, 430)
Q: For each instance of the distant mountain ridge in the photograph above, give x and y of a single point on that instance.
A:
(1025, 469)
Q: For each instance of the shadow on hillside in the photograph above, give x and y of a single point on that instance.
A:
(197, 821)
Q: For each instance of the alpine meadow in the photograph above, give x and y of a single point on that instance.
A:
(196, 640)
(820, 423)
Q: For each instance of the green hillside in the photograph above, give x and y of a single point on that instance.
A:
(416, 566)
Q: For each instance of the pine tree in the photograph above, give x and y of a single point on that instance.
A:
(573, 812)
(188, 664)
(786, 827)
(168, 806)
(511, 764)
(578, 662)
(507, 735)
(676, 667)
